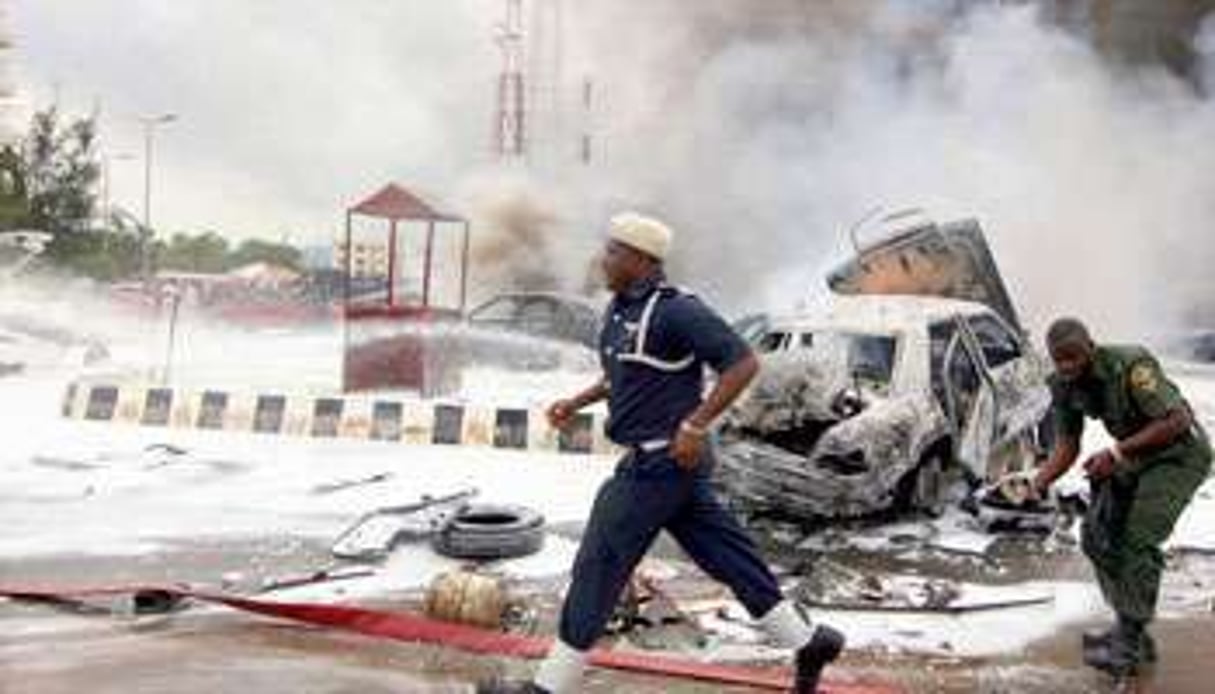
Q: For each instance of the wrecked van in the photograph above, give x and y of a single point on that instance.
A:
(879, 399)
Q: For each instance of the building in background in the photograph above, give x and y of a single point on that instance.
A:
(368, 259)
(319, 256)
(11, 121)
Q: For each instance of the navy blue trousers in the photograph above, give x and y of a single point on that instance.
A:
(649, 493)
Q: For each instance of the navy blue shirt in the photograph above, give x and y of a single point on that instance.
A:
(656, 376)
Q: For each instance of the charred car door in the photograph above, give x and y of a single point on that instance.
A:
(965, 390)
(1015, 377)
(1018, 377)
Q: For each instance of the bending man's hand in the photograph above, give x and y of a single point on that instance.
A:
(1100, 465)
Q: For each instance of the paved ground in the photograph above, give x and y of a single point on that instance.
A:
(203, 650)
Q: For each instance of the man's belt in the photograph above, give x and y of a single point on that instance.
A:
(650, 446)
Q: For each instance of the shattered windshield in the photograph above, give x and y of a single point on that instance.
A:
(869, 357)
(866, 357)
(773, 341)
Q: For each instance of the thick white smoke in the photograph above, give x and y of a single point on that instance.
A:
(762, 130)
(764, 144)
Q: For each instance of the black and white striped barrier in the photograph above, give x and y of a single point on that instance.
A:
(356, 416)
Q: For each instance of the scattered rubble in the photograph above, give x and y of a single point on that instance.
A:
(837, 587)
(343, 484)
(375, 533)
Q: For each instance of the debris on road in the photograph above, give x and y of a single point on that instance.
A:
(490, 531)
(834, 586)
(467, 597)
(340, 485)
(373, 535)
(326, 575)
(652, 619)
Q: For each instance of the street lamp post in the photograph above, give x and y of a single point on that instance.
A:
(149, 128)
(107, 180)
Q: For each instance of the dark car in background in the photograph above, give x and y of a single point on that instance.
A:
(516, 331)
(563, 317)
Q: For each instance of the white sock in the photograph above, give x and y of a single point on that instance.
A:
(561, 671)
(785, 626)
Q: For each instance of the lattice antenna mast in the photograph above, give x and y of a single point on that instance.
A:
(510, 131)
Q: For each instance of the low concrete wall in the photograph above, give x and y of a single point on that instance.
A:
(354, 416)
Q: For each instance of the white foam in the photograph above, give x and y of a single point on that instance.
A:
(72, 487)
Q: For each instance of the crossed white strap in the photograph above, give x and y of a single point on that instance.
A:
(638, 355)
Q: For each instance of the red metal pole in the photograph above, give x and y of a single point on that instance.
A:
(430, 239)
(392, 259)
(347, 263)
(346, 307)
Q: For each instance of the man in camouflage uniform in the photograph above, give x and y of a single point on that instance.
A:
(1141, 483)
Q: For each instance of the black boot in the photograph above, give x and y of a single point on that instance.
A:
(1125, 650)
(1096, 645)
(823, 647)
(498, 686)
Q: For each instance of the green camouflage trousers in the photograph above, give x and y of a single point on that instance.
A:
(1128, 520)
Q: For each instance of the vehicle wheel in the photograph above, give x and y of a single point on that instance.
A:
(488, 531)
(923, 488)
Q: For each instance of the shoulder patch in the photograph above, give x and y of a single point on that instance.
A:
(1143, 377)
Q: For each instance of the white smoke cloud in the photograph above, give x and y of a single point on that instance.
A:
(761, 130)
(1093, 184)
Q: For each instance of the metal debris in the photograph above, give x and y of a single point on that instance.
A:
(326, 575)
(652, 619)
(834, 586)
(339, 485)
(374, 534)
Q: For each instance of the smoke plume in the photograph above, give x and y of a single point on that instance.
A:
(762, 131)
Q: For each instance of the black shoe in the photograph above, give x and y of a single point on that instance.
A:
(823, 647)
(1097, 643)
(1100, 646)
(1122, 651)
(497, 686)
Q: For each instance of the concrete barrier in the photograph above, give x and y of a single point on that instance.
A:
(354, 416)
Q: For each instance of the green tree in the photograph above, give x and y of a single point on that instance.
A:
(206, 252)
(61, 173)
(103, 254)
(14, 197)
(255, 251)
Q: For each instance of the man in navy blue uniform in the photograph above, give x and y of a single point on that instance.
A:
(654, 345)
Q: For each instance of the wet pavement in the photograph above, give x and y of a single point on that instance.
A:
(236, 653)
(204, 649)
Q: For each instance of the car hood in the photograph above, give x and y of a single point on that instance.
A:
(792, 389)
(950, 260)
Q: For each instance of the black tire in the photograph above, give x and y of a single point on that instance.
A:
(489, 531)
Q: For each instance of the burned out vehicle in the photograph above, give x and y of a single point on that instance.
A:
(877, 401)
(547, 315)
(517, 331)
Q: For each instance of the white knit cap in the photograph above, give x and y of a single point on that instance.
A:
(645, 234)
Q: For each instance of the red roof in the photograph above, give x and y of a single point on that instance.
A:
(396, 202)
